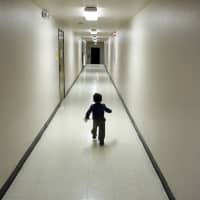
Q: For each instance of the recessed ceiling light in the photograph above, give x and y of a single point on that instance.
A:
(93, 31)
(91, 13)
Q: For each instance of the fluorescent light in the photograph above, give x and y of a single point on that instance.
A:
(91, 16)
(93, 31)
(91, 13)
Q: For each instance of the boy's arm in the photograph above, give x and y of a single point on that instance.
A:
(108, 110)
(87, 115)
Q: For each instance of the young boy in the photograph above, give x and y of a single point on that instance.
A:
(97, 111)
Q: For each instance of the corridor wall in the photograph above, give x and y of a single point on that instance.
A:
(73, 64)
(29, 77)
(154, 61)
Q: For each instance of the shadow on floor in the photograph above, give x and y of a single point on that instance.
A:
(95, 148)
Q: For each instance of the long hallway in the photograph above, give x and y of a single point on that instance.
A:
(68, 164)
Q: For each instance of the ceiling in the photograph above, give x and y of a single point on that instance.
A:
(112, 13)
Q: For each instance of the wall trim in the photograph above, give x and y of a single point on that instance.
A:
(147, 149)
(30, 149)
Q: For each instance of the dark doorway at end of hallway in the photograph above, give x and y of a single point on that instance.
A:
(95, 55)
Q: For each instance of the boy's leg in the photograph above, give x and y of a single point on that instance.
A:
(94, 129)
(101, 132)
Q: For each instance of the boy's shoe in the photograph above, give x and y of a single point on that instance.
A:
(101, 143)
(94, 137)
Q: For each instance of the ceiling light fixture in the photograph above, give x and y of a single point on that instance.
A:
(93, 31)
(91, 13)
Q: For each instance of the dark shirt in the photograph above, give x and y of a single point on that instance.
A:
(97, 111)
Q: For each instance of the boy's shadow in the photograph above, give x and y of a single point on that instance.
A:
(95, 148)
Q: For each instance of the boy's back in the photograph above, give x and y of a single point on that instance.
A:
(98, 110)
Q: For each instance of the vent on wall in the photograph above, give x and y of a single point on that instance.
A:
(45, 13)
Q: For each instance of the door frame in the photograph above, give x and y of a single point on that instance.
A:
(61, 63)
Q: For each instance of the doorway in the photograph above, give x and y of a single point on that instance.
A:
(95, 55)
(61, 64)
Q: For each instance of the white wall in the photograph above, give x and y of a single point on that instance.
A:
(72, 50)
(29, 76)
(154, 60)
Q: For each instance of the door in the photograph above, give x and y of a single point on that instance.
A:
(83, 53)
(95, 55)
(61, 63)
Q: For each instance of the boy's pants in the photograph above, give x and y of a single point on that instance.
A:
(101, 125)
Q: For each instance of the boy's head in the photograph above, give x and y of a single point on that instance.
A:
(97, 98)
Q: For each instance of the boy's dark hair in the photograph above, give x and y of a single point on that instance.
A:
(97, 98)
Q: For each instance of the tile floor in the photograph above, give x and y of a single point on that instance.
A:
(68, 165)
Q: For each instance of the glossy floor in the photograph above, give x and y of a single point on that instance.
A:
(68, 165)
